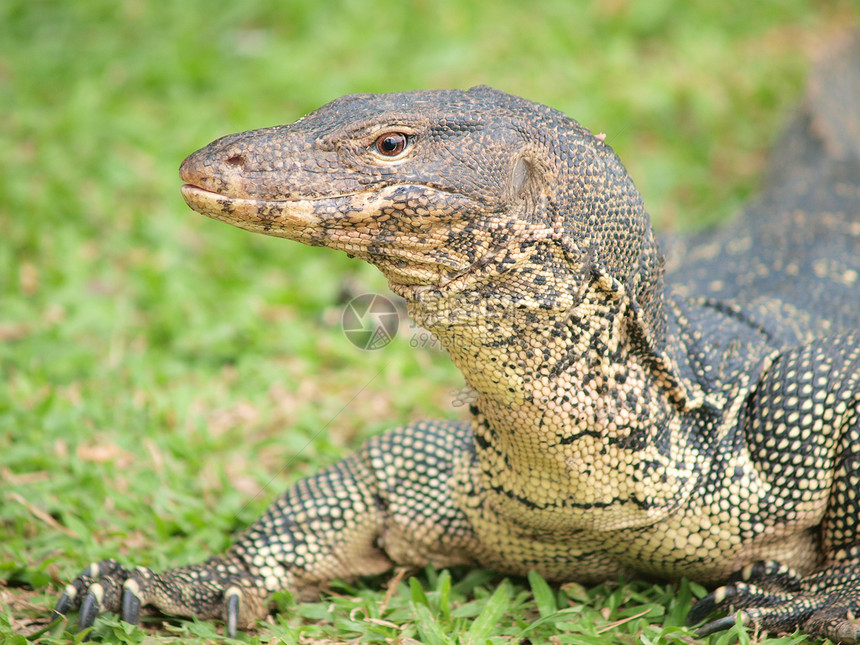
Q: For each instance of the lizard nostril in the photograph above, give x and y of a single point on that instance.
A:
(236, 160)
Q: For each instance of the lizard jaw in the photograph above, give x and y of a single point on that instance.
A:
(362, 224)
(288, 219)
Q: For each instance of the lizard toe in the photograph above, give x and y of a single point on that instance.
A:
(720, 624)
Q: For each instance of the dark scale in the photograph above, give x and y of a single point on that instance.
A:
(695, 415)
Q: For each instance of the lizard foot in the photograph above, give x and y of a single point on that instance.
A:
(825, 604)
(218, 588)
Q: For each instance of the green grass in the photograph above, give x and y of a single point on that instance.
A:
(163, 376)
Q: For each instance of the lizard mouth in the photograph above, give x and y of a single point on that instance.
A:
(280, 218)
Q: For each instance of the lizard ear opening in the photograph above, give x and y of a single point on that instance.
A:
(527, 184)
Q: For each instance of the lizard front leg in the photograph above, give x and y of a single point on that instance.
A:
(389, 502)
(804, 430)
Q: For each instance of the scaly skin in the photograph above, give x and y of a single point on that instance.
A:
(701, 423)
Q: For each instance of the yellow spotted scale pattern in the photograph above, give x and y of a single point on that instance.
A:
(684, 409)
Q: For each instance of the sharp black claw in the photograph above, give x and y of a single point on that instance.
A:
(90, 607)
(716, 626)
(715, 600)
(130, 607)
(232, 611)
(701, 610)
(63, 605)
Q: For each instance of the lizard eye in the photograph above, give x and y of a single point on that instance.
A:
(391, 144)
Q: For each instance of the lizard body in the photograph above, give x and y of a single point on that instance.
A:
(698, 417)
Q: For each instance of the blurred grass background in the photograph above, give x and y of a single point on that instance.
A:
(164, 376)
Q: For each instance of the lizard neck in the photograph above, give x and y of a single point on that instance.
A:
(577, 421)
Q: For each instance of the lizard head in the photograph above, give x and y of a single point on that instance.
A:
(435, 188)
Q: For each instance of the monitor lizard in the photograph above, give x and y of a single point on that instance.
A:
(694, 416)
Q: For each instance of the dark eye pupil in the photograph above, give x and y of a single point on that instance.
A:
(391, 144)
